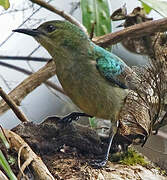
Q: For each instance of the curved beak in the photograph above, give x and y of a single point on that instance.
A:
(31, 32)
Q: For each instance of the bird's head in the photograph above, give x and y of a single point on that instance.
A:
(57, 36)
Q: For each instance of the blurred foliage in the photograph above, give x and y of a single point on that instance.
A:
(96, 16)
(5, 4)
(93, 122)
(130, 158)
(3, 162)
(146, 7)
(4, 139)
(6, 167)
(157, 5)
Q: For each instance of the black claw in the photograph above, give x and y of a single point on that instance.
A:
(98, 163)
(74, 116)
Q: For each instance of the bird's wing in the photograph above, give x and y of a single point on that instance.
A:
(110, 66)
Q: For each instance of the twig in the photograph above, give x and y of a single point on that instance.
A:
(40, 170)
(5, 82)
(37, 59)
(59, 12)
(11, 34)
(135, 31)
(92, 30)
(32, 52)
(54, 86)
(13, 106)
(74, 7)
(25, 164)
(25, 71)
(23, 167)
(19, 69)
(3, 176)
(162, 123)
(29, 84)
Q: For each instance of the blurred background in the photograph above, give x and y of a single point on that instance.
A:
(43, 101)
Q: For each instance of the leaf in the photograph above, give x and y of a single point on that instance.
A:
(5, 4)
(4, 164)
(146, 8)
(158, 5)
(3, 138)
(93, 122)
(96, 12)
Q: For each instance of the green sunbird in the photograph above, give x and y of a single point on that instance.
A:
(94, 79)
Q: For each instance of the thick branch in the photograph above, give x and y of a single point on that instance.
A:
(25, 71)
(135, 31)
(48, 137)
(41, 171)
(29, 84)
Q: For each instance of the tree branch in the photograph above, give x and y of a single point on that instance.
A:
(49, 137)
(29, 84)
(25, 71)
(37, 59)
(13, 106)
(40, 170)
(135, 31)
(59, 12)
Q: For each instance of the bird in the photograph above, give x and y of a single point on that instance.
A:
(96, 80)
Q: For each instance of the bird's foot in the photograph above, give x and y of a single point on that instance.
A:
(63, 121)
(99, 163)
(74, 116)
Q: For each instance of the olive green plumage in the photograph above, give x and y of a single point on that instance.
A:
(75, 61)
(96, 80)
(89, 75)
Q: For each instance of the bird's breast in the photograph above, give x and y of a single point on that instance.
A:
(90, 91)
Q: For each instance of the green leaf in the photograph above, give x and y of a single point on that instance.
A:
(158, 5)
(3, 138)
(93, 122)
(5, 4)
(146, 8)
(6, 167)
(96, 12)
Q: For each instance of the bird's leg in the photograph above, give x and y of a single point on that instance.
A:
(102, 162)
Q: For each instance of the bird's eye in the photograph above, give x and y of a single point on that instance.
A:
(50, 28)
